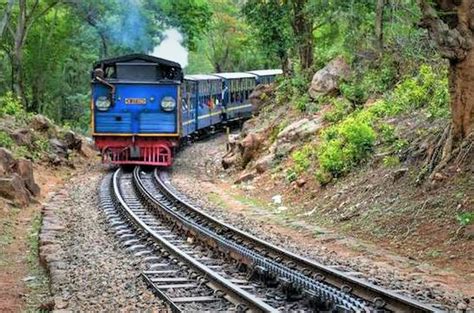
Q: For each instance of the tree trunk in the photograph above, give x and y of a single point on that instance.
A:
(17, 70)
(379, 26)
(6, 16)
(303, 30)
(461, 89)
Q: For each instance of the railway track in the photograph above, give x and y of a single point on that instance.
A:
(195, 262)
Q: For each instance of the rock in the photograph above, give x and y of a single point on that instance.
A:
(326, 80)
(300, 182)
(245, 176)
(264, 163)
(24, 168)
(259, 96)
(58, 148)
(72, 141)
(439, 177)
(462, 306)
(41, 123)
(6, 162)
(14, 189)
(22, 137)
(300, 130)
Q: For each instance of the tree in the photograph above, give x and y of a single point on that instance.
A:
(379, 25)
(302, 23)
(270, 20)
(451, 25)
(6, 16)
(25, 19)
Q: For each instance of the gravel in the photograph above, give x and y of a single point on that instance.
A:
(201, 162)
(98, 274)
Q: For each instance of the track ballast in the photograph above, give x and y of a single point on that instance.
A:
(196, 262)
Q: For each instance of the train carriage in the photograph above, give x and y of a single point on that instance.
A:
(266, 77)
(237, 88)
(206, 100)
(135, 119)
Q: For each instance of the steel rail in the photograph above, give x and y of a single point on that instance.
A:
(235, 291)
(313, 288)
(377, 295)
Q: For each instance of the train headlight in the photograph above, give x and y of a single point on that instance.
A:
(102, 103)
(168, 104)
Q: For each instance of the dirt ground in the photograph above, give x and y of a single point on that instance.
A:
(425, 264)
(23, 283)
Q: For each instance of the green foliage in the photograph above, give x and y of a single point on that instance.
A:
(340, 108)
(5, 140)
(465, 218)
(291, 175)
(301, 103)
(41, 145)
(302, 158)
(391, 161)
(426, 89)
(345, 144)
(387, 133)
(10, 105)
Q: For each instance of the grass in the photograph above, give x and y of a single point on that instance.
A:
(38, 288)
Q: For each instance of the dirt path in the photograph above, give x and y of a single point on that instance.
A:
(23, 283)
(240, 205)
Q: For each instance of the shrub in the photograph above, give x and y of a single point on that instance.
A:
(427, 89)
(346, 144)
(291, 175)
(10, 105)
(5, 140)
(391, 161)
(465, 218)
(301, 103)
(387, 132)
(340, 108)
(302, 158)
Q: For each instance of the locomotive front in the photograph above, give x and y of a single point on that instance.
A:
(135, 111)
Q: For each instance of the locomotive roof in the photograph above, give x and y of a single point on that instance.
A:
(235, 75)
(130, 58)
(201, 77)
(266, 72)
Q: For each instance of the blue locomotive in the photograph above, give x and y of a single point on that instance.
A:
(143, 106)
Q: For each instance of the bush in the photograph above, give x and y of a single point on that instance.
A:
(387, 133)
(340, 108)
(10, 105)
(391, 161)
(302, 158)
(465, 218)
(5, 140)
(301, 103)
(427, 89)
(346, 144)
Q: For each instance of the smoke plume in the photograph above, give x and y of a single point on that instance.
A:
(171, 48)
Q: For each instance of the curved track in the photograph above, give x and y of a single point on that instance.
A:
(245, 271)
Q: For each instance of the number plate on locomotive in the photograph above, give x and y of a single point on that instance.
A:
(135, 100)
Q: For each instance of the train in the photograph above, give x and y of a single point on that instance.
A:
(143, 107)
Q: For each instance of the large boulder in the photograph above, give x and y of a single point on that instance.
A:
(23, 137)
(13, 188)
(58, 148)
(24, 168)
(250, 146)
(300, 129)
(40, 123)
(7, 162)
(326, 80)
(72, 140)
